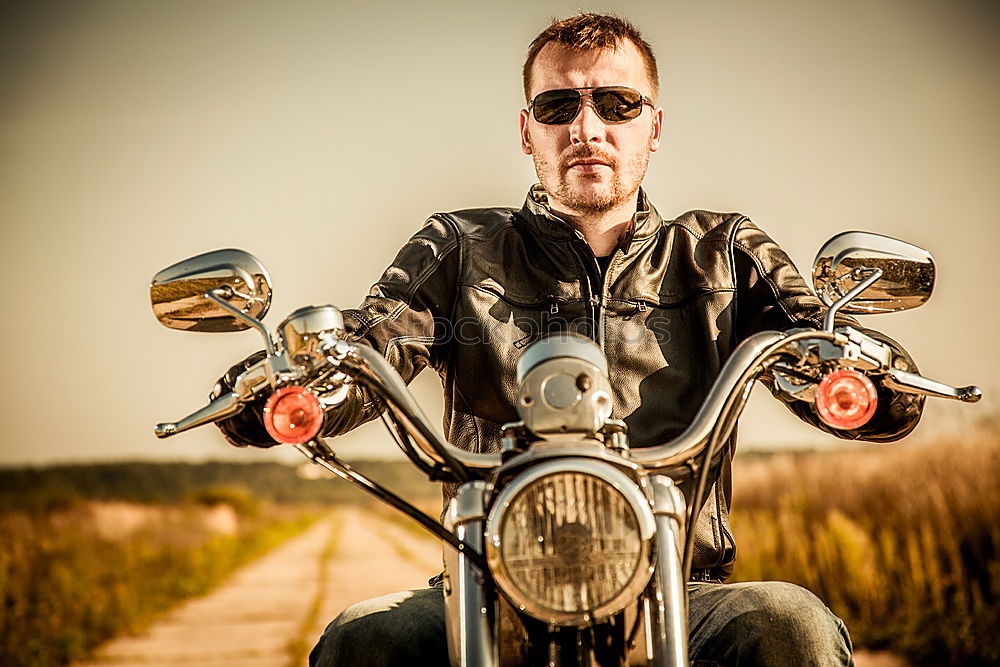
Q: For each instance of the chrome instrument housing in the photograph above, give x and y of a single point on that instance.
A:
(563, 387)
(179, 292)
(847, 259)
(301, 333)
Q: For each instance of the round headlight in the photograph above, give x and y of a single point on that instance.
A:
(568, 541)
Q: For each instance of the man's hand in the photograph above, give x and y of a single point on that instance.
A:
(245, 429)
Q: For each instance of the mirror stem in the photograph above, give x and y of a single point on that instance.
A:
(255, 323)
(844, 300)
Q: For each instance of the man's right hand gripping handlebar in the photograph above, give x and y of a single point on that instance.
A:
(246, 428)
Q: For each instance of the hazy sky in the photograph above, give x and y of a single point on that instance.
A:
(319, 135)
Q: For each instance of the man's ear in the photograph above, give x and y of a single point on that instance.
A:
(657, 132)
(525, 136)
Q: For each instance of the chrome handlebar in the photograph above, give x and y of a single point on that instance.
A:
(716, 417)
(749, 359)
(745, 363)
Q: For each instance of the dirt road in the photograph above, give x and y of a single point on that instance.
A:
(270, 613)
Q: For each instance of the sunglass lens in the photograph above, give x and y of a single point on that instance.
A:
(556, 107)
(617, 105)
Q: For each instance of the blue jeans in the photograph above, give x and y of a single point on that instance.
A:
(769, 623)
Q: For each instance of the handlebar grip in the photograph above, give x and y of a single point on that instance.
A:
(223, 407)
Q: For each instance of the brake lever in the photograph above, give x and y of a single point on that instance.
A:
(912, 383)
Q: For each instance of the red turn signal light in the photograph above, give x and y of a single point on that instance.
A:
(846, 399)
(293, 415)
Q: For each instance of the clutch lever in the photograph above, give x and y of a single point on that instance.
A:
(223, 407)
(248, 384)
(912, 383)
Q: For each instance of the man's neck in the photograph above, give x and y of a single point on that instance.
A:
(601, 229)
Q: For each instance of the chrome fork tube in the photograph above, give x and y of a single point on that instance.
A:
(665, 608)
(470, 605)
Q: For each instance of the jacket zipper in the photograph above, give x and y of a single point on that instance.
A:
(597, 301)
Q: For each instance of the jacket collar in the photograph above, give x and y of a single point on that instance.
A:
(543, 219)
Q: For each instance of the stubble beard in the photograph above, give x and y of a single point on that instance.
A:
(625, 181)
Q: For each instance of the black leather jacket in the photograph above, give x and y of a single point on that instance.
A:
(472, 288)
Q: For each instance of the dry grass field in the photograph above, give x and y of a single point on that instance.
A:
(902, 542)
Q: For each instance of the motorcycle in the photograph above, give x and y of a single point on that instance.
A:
(568, 546)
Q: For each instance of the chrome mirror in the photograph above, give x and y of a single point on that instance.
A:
(215, 291)
(905, 273)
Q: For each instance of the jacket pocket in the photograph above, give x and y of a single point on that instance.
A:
(646, 301)
(520, 319)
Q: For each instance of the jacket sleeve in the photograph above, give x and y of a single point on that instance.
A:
(772, 295)
(404, 316)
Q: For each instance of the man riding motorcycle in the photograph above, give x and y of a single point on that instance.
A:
(667, 301)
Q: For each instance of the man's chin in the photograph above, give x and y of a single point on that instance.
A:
(590, 199)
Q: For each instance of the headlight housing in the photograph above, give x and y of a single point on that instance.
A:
(569, 541)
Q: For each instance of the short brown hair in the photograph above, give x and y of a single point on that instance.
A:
(592, 31)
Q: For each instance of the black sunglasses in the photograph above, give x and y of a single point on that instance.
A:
(614, 104)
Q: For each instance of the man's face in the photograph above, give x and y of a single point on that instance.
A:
(588, 165)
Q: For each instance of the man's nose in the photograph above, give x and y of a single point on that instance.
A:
(587, 126)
